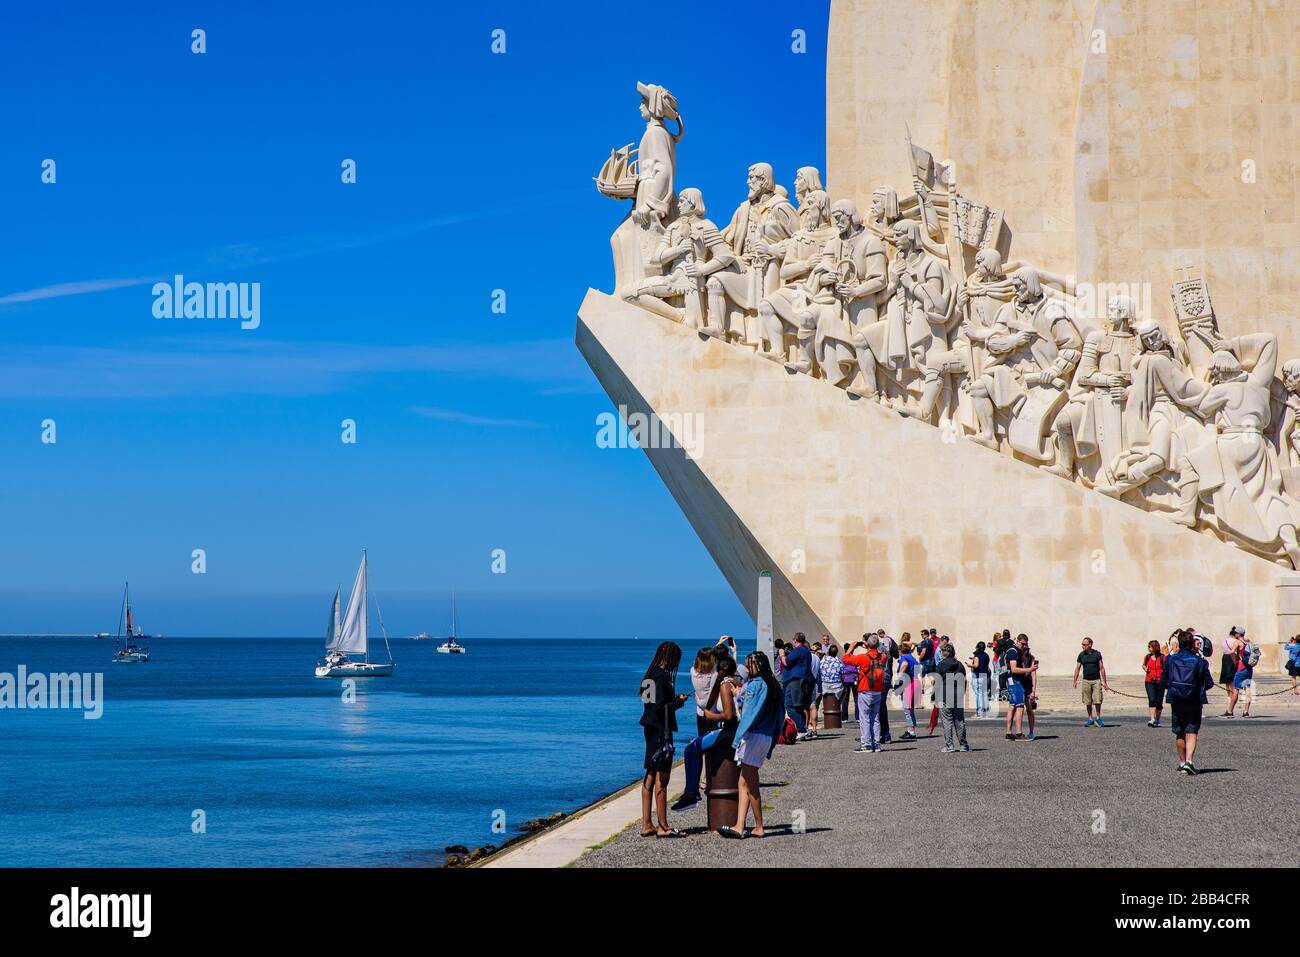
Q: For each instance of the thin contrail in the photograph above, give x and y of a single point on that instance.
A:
(244, 255)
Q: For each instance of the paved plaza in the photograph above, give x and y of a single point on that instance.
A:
(1076, 797)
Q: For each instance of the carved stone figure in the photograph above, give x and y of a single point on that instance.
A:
(692, 250)
(765, 217)
(645, 176)
(1289, 434)
(1034, 347)
(978, 301)
(1237, 471)
(656, 156)
(847, 281)
(884, 213)
(796, 256)
(926, 296)
(1091, 425)
(807, 179)
(918, 306)
(1179, 426)
(1157, 422)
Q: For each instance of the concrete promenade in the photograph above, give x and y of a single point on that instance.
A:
(1076, 797)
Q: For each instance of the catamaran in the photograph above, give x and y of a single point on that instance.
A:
(451, 646)
(128, 652)
(352, 636)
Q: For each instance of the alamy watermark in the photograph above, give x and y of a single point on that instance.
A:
(641, 430)
(36, 691)
(213, 300)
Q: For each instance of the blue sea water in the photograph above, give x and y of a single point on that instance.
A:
(289, 774)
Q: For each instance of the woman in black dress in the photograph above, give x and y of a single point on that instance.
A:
(659, 721)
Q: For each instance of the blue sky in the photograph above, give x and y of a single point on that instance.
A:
(475, 430)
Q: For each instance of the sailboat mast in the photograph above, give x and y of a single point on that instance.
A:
(453, 615)
(365, 605)
(122, 612)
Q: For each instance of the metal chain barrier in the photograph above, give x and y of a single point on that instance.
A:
(1217, 688)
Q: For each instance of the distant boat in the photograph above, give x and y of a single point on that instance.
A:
(100, 636)
(451, 646)
(352, 636)
(129, 652)
(422, 636)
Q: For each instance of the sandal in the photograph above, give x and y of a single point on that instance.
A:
(671, 833)
(731, 833)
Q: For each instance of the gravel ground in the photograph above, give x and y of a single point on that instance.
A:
(1024, 803)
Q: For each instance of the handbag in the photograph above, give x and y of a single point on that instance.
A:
(666, 751)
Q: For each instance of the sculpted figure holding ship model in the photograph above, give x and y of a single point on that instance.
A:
(656, 156)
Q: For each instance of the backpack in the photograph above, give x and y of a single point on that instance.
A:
(789, 733)
(1182, 678)
(1250, 654)
(1207, 646)
(874, 678)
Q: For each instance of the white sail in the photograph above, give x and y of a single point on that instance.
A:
(353, 639)
(332, 629)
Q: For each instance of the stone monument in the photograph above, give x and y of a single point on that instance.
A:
(955, 431)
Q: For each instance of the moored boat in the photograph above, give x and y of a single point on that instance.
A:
(451, 646)
(129, 651)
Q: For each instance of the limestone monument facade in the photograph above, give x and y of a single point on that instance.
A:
(925, 414)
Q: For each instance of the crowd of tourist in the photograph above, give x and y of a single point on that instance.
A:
(744, 710)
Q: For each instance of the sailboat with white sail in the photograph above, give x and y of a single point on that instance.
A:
(347, 643)
(451, 646)
(130, 651)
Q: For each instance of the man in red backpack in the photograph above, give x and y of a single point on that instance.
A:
(872, 665)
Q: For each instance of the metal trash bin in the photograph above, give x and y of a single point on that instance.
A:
(831, 712)
(722, 788)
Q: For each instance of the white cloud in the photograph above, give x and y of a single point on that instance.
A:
(465, 418)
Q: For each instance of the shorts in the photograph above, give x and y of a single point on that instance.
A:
(1293, 669)
(1153, 695)
(1016, 694)
(1227, 670)
(1186, 717)
(799, 692)
(752, 749)
(1091, 691)
(1241, 679)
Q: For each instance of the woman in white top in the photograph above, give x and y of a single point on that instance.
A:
(703, 676)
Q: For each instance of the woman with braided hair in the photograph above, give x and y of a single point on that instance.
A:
(659, 721)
